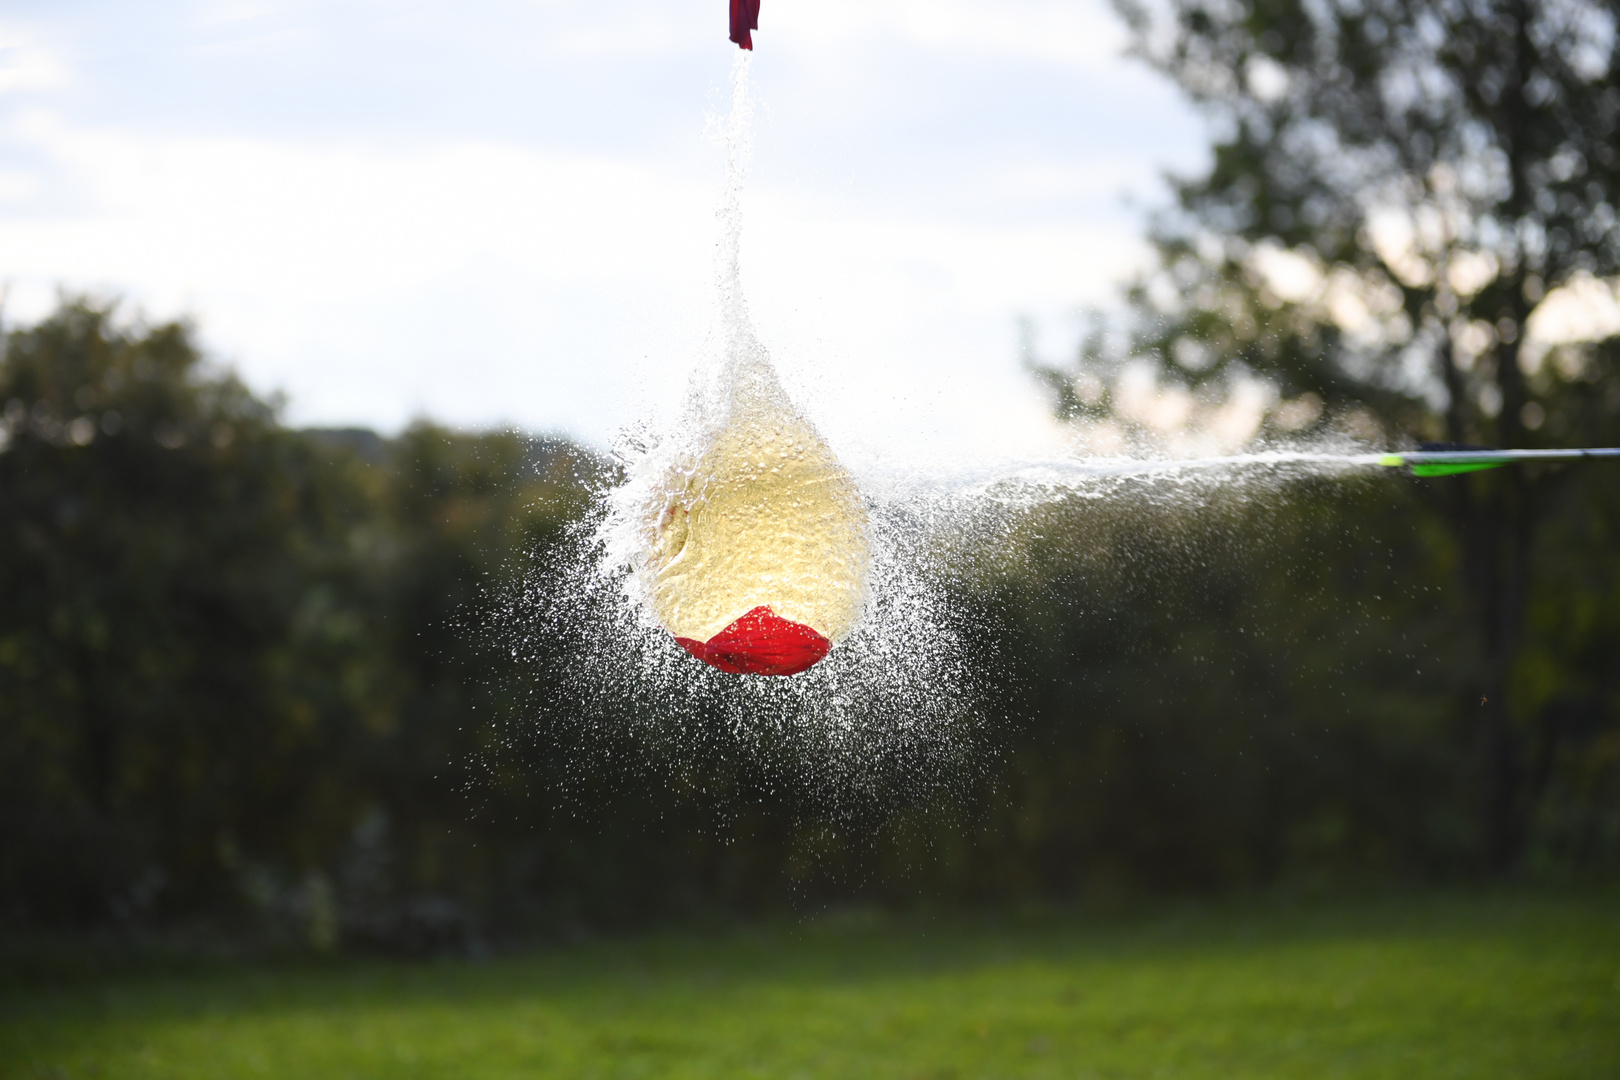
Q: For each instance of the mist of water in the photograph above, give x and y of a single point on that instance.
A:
(899, 702)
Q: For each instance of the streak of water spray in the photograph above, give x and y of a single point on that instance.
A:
(737, 134)
(1014, 482)
(893, 710)
(899, 705)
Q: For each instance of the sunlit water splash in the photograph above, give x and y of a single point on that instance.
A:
(899, 706)
(896, 704)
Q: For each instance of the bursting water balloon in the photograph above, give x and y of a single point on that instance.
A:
(749, 542)
(760, 549)
(749, 539)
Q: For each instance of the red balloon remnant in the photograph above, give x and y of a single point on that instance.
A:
(744, 17)
(760, 643)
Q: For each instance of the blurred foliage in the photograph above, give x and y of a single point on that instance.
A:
(1402, 196)
(248, 680)
(229, 663)
(247, 676)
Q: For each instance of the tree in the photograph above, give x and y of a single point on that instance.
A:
(1398, 187)
(239, 664)
(180, 636)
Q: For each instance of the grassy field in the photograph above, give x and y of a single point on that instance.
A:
(1424, 988)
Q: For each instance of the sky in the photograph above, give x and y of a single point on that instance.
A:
(502, 213)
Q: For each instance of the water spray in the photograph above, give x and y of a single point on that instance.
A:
(749, 541)
(1072, 476)
(752, 542)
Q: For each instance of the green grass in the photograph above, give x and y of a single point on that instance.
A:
(1432, 987)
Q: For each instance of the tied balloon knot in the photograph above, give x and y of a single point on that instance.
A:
(744, 18)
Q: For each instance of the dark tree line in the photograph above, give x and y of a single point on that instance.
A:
(223, 641)
(244, 678)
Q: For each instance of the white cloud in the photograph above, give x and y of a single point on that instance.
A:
(545, 259)
(1058, 30)
(304, 261)
(26, 64)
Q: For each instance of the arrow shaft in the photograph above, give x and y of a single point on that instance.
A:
(1468, 457)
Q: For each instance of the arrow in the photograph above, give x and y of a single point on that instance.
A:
(1449, 459)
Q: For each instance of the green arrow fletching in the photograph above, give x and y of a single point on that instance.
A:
(1453, 461)
(1452, 468)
